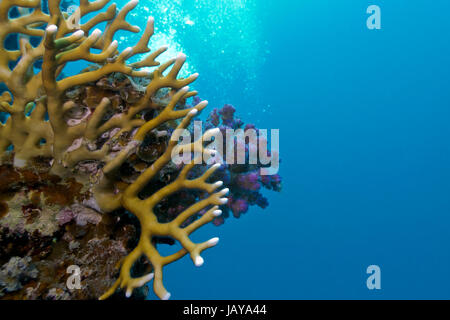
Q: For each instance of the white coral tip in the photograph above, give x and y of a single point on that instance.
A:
(223, 200)
(52, 28)
(214, 241)
(127, 51)
(181, 56)
(166, 296)
(96, 32)
(193, 112)
(217, 213)
(224, 191)
(199, 261)
(146, 279)
(218, 183)
(78, 33)
(128, 293)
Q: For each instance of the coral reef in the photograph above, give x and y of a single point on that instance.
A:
(85, 159)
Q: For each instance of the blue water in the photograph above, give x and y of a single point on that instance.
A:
(364, 124)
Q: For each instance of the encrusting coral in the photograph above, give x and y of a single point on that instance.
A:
(15, 272)
(49, 137)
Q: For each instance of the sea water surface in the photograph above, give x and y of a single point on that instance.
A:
(364, 125)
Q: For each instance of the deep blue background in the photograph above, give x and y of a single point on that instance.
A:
(364, 121)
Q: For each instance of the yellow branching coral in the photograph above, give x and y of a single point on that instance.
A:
(67, 143)
(143, 209)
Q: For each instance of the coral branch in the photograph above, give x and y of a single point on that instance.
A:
(144, 210)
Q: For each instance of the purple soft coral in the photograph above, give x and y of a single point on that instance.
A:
(244, 180)
(249, 181)
(238, 206)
